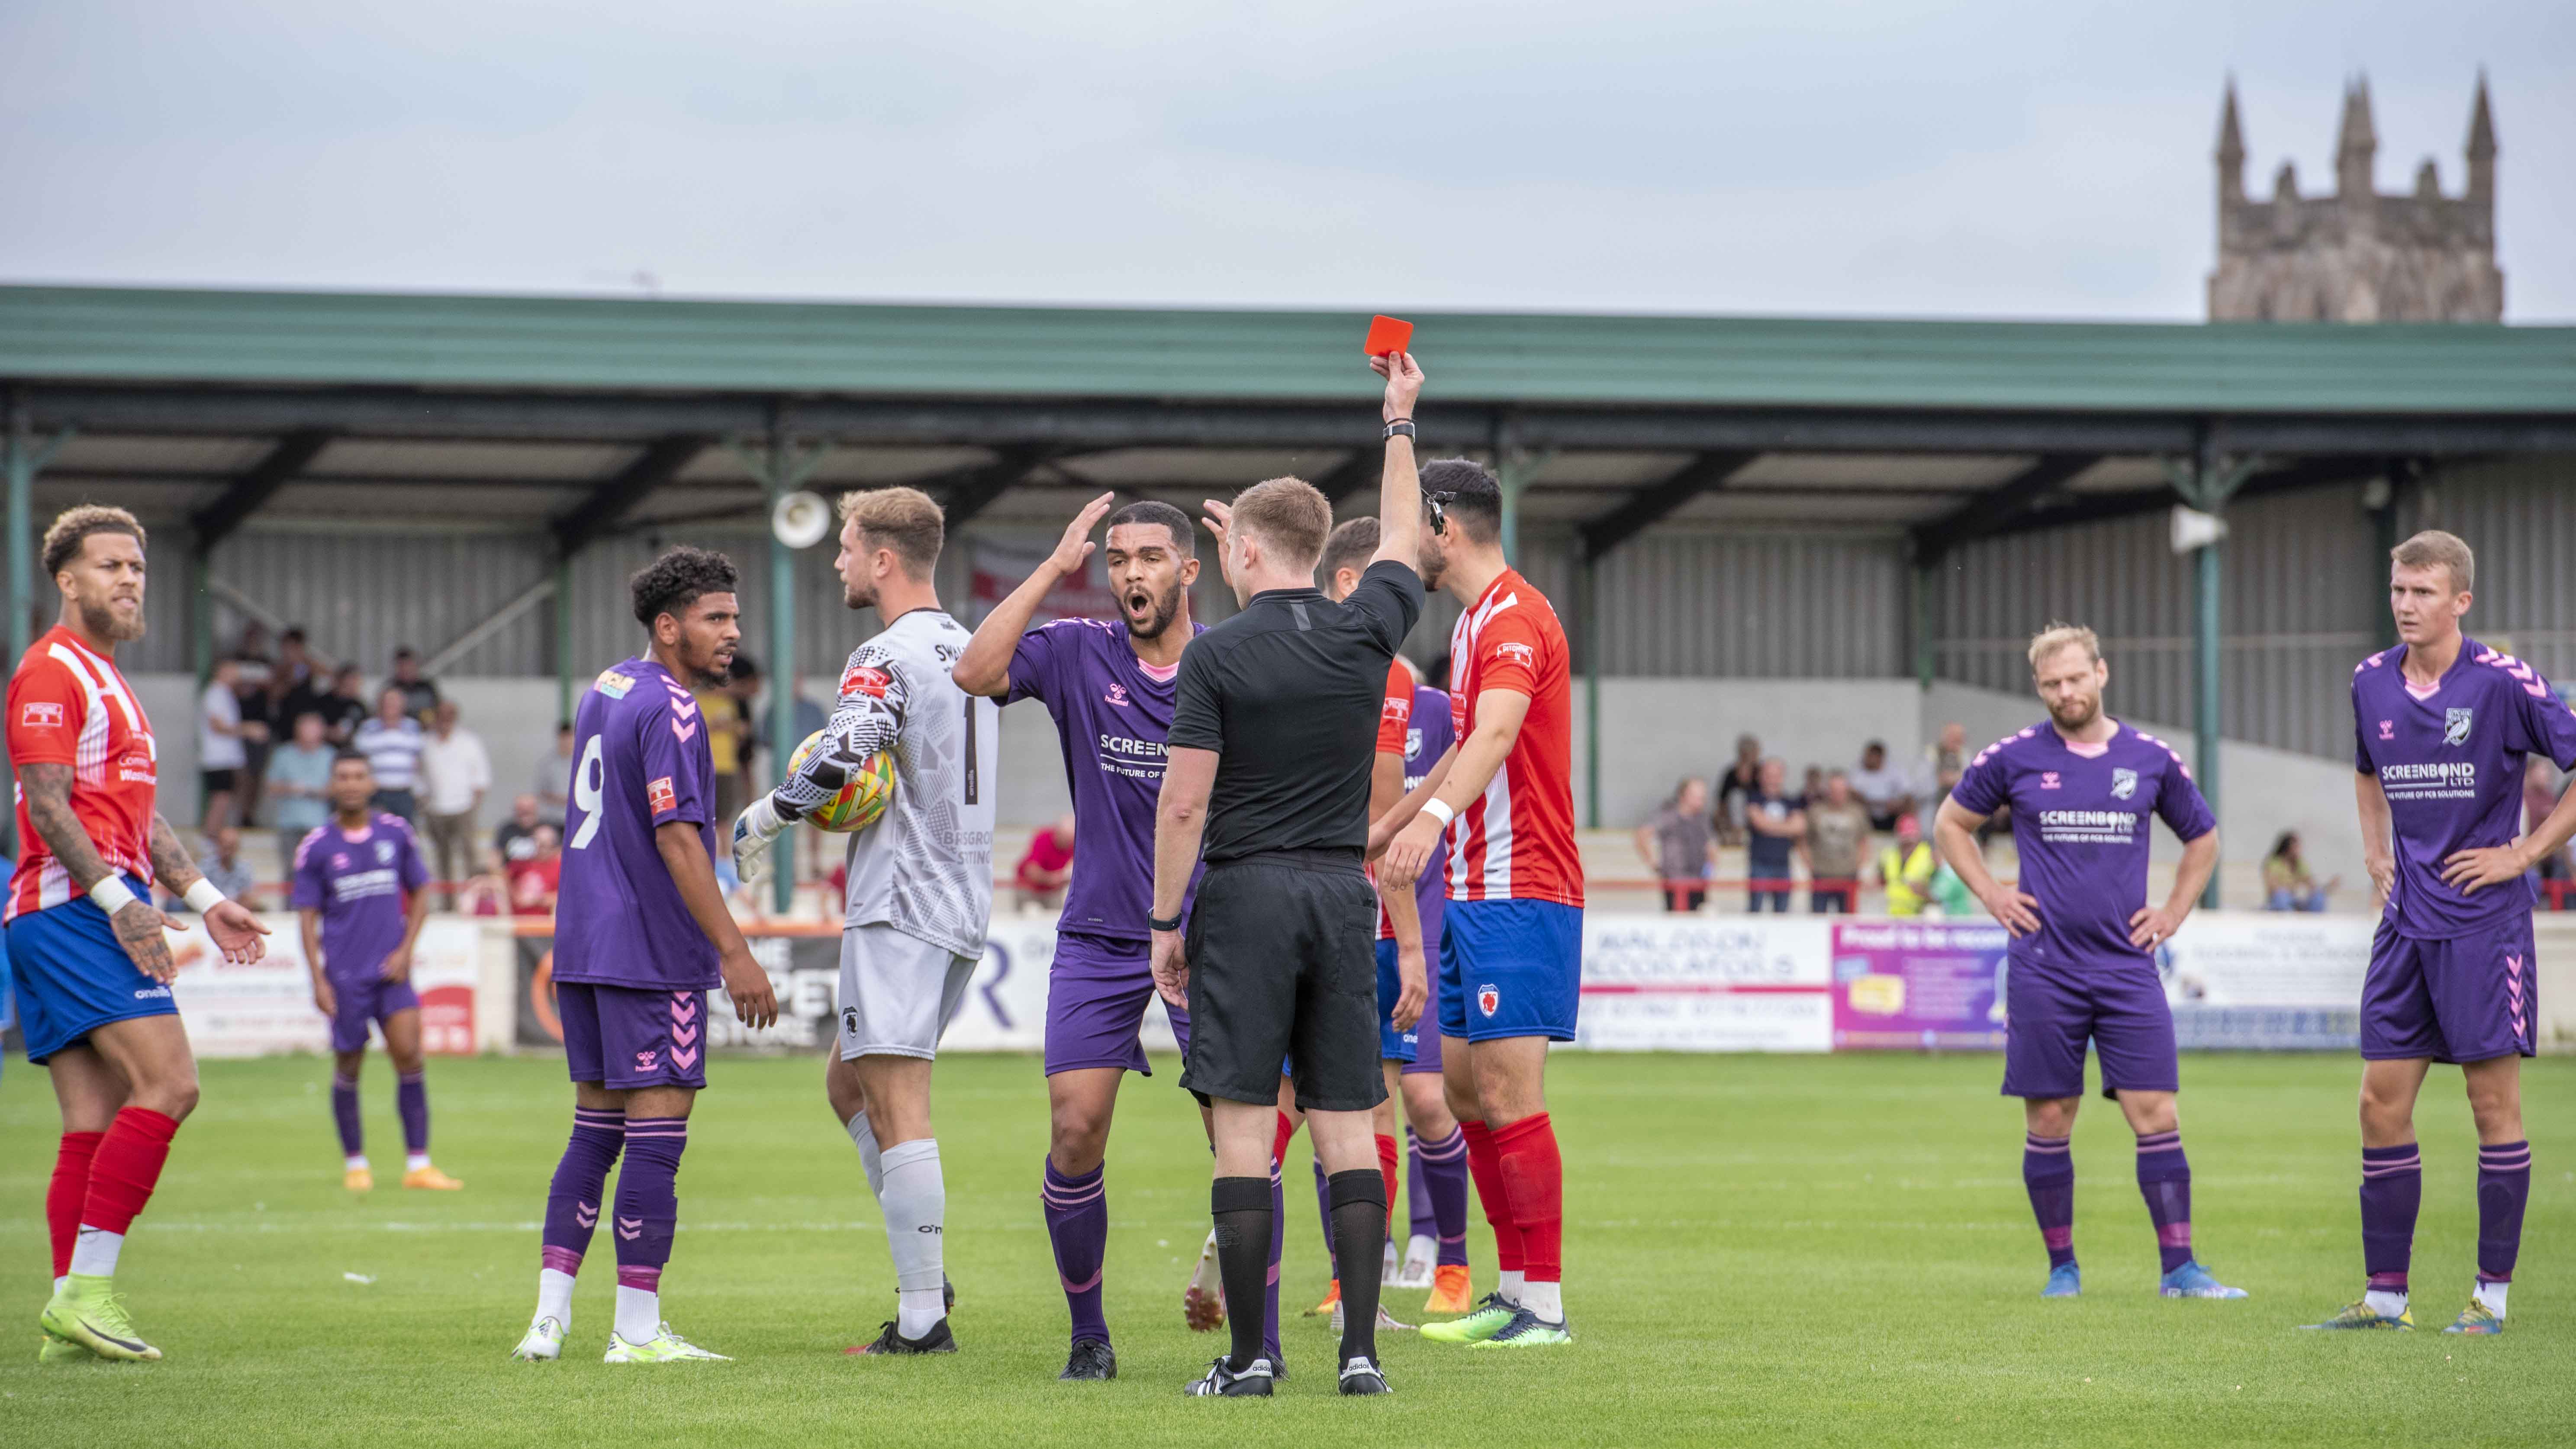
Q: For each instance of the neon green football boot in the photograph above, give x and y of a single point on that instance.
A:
(1489, 1318)
(87, 1310)
(663, 1347)
(1527, 1330)
(54, 1348)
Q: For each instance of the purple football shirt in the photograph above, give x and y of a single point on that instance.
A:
(1111, 717)
(2080, 823)
(358, 883)
(640, 762)
(2450, 762)
(1426, 738)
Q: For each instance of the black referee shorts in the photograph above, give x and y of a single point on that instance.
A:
(1283, 968)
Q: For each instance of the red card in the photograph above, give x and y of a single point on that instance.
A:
(1386, 335)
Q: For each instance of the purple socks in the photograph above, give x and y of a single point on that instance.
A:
(2504, 1186)
(344, 1110)
(572, 1204)
(1441, 1170)
(2164, 1180)
(648, 1199)
(2049, 1173)
(1278, 1241)
(2392, 1189)
(1077, 1219)
(411, 1098)
(1417, 1197)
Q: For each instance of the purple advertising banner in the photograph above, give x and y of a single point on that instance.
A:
(1918, 985)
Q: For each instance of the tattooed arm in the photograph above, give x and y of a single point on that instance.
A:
(138, 926)
(235, 930)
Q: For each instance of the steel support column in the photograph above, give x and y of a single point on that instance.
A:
(26, 457)
(781, 470)
(563, 644)
(1514, 467)
(1921, 617)
(1587, 601)
(2206, 483)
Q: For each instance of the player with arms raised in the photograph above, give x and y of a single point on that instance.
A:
(92, 963)
(921, 881)
(2081, 787)
(359, 889)
(2441, 726)
(1511, 951)
(641, 935)
(1110, 691)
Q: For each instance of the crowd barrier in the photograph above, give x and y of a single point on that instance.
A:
(1651, 982)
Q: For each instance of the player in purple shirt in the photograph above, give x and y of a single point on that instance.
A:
(2441, 727)
(1110, 690)
(358, 890)
(641, 934)
(2082, 787)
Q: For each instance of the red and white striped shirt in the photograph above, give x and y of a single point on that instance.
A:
(69, 706)
(1517, 842)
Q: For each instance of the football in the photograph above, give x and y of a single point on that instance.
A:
(860, 802)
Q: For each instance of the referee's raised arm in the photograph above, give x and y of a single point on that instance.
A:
(1399, 489)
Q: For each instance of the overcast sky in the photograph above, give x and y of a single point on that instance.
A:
(1882, 157)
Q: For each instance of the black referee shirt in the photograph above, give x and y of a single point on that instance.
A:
(1287, 693)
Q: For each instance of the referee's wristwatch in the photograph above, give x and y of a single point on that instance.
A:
(1159, 924)
(1401, 427)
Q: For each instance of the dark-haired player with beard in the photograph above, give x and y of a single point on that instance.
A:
(93, 965)
(1110, 690)
(641, 934)
(2084, 790)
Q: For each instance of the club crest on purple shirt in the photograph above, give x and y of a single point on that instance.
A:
(2455, 725)
(2124, 784)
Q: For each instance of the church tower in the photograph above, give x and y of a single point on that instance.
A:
(2358, 255)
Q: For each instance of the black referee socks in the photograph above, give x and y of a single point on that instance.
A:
(1359, 1238)
(1241, 1207)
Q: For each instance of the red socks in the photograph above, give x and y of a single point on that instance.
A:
(1279, 1140)
(1485, 1166)
(126, 1167)
(1386, 1154)
(70, 1188)
(1533, 1178)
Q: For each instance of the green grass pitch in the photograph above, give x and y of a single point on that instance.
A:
(1790, 1250)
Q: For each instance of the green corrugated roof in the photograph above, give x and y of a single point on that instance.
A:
(164, 335)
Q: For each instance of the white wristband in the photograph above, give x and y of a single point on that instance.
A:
(203, 897)
(1439, 810)
(112, 893)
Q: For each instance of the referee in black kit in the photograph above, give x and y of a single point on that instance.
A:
(1272, 741)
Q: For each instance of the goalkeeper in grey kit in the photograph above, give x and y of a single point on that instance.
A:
(921, 880)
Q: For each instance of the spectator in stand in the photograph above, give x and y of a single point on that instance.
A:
(301, 683)
(343, 708)
(299, 781)
(2287, 886)
(220, 862)
(533, 882)
(1837, 831)
(219, 745)
(1945, 761)
(516, 840)
(1740, 780)
(728, 726)
(1886, 791)
(553, 787)
(420, 696)
(1046, 866)
(392, 742)
(487, 893)
(1906, 868)
(1775, 822)
(455, 771)
(742, 681)
(260, 695)
(1678, 846)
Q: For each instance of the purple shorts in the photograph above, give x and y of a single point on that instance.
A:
(2465, 998)
(625, 1037)
(1097, 993)
(370, 998)
(2050, 1012)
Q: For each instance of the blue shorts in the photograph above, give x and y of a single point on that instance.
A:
(1394, 1045)
(1510, 968)
(369, 998)
(73, 978)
